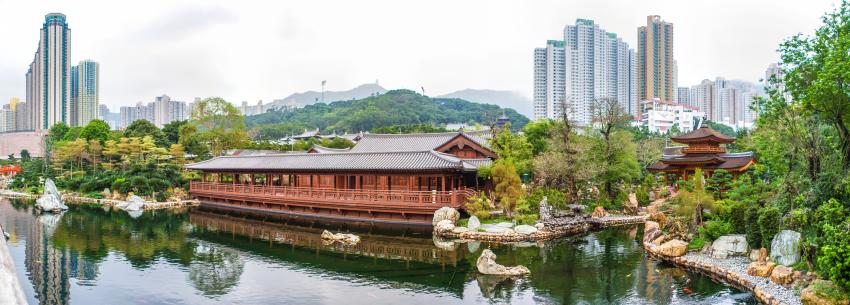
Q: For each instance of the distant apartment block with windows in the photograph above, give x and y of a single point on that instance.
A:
(161, 111)
(588, 64)
(661, 116)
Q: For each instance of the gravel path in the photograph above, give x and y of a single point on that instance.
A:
(738, 265)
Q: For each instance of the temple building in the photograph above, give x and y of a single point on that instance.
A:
(391, 178)
(703, 151)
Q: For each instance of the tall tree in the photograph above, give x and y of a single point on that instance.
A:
(96, 130)
(142, 128)
(817, 73)
(618, 153)
(219, 124)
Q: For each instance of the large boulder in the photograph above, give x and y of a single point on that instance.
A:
(785, 248)
(782, 275)
(473, 224)
(486, 264)
(347, 239)
(444, 225)
(631, 207)
(811, 296)
(458, 230)
(51, 200)
(525, 229)
(445, 213)
(729, 245)
(672, 248)
(545, 211)
(133, 203)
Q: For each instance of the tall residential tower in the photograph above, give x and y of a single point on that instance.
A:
(656, 64)
(86, 80)
(49, 76)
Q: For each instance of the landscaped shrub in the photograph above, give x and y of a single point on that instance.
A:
(696, 243)
(714, 229)
(479, 206)
(834, 258)
(753, 230)
(554, 198)
(769, 221)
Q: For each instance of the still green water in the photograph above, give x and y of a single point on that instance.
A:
(89, 255)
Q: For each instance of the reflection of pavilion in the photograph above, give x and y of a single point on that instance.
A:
(377, 246)
(393, 261)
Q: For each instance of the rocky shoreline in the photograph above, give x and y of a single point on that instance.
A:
(69, 198)
(550, 230)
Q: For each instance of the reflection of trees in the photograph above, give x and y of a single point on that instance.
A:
(94, 232)
(215, 270)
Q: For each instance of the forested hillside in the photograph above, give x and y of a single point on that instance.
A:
(397, 107)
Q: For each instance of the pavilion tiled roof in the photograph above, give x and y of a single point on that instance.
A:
(703, 133)
(340, 162)
(409, 142)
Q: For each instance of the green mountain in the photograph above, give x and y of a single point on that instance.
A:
(396, 107)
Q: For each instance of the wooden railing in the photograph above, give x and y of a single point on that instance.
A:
(455, 198)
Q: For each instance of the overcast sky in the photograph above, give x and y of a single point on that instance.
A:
(253, 50)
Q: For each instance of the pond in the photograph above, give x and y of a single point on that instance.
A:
(92, 255)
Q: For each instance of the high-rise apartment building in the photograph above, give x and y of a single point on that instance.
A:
(683, 95)
(49, 75)
(550, 80)
(589, 64)
(86, 97)
(161, 111)
(656, 64)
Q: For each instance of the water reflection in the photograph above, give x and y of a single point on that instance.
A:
(198, 257)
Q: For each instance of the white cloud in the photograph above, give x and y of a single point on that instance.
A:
(251, 50)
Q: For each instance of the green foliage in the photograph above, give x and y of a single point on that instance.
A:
(508, 188)
(96, 130)
(722, 128)
(831, 212)
(25, 155)
(554, 198)
(754, 236)
(733, 212)
(73, 133)
(396, 107)
(830, 292)
(715, 228)
(142, 128)
(719, 183)
(834, 258)
(537, 133)
(172, 131)
(57, 132)
(479, 206)
(512, 148)
(219, 125)
(696, 243)
(408, 128)
(769, 221)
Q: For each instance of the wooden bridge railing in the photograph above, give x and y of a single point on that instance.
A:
(455, 198)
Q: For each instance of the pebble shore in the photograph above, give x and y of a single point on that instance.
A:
(548, 232)
(733, 271)
(70, 199)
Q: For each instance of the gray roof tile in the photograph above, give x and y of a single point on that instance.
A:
(330, 162)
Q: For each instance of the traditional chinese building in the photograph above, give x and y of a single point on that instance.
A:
(383, 178)
(703, 151)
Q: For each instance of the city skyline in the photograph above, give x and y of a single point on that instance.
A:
(415, 56)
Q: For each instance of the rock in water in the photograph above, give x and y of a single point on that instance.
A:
(729, 245)
(785, 248)
(486, 264)
(525, 229)
(51, 200)
(347, 239)
(134, 203)
(651, 231)
(445, 213)
(673, 248)
(473, 224)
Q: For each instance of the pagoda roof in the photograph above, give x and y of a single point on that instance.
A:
(318, 149)
(703, 134)
(728, 161)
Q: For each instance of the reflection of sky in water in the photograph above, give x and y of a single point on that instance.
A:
(192, 264)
